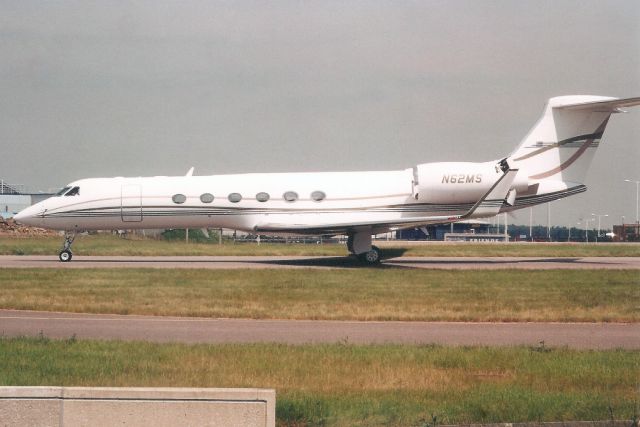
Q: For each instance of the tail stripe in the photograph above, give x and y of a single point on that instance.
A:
(564, 165)
(591, 137)
(575, 155)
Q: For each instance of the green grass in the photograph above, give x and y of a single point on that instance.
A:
(112, 245)
(523, 249)
(348, 385)
(362, 294)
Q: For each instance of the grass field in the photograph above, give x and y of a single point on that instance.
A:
(347, 385)
(112, 245)
(363, 294)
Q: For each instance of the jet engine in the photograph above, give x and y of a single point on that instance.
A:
(459, 182)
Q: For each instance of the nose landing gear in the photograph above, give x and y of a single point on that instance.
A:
(65, 254)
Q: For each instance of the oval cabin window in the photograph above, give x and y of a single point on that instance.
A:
(179, 198)
(206, 198)
(290, 196)
(318, 195)
(262, 197)
(235, 197)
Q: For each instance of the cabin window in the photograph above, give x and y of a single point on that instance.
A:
(179, 198)
(235, 197)
(75, 191)
(61, 192)
(318, 195)
(206, 198)
(290, 196)
(262, 197)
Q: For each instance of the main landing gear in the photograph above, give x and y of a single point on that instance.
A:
(359, 244)
(371, 257)
(65, 254)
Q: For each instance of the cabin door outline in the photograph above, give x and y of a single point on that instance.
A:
(131, 203)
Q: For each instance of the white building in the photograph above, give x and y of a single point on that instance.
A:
(13, 198)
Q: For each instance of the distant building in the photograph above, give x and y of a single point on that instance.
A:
(15, 197)
(10, 204)
(473, 237)
(438, 232)
(626, 233)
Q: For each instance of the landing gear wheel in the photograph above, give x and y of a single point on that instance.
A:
(65, 255)
(372, 257)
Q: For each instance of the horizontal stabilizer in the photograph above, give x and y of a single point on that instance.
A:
(612, 105)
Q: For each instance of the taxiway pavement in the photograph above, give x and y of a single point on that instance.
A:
(203, 330)
(247, 262)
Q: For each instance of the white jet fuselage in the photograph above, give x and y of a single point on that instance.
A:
(300, 203)
(157, 202)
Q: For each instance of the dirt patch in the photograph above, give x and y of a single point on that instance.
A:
(8, 227)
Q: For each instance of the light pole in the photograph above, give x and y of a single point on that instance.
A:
(637, 182)
(599, 216)
(586, 229)
(549, 221)
(577, 228)
(506, 226)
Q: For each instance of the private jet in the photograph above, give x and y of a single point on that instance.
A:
(549, 163)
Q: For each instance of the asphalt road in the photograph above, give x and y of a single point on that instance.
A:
(200, 330)
(246, 262)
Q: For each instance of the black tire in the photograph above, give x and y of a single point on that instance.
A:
(65, 255)
(370, 258)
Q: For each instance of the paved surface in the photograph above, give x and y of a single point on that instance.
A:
(244, 262)
(194, 330)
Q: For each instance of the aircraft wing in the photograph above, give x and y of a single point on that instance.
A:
(346, 227)
(602, 106)
(488, 205)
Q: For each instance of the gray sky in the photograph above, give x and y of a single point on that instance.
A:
(120, 88)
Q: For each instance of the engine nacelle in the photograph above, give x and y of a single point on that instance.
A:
(458, 182)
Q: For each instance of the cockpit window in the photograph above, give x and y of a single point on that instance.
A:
(75, 191)
(61, 192)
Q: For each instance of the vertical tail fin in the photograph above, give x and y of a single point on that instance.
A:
(562, 143)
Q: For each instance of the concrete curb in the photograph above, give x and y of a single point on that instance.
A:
(80, 406)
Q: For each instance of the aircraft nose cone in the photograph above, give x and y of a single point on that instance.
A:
(27, 217)
(20, 216)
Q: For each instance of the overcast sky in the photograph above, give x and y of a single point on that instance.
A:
(120, 88)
